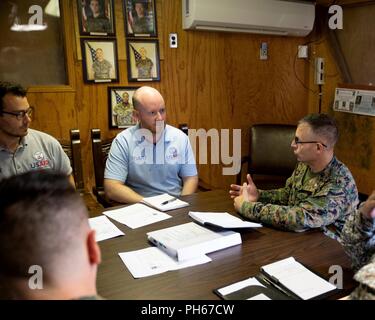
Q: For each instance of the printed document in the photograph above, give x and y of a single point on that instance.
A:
(104, 228)
(136, 215)
(150, 261)
(164, 202)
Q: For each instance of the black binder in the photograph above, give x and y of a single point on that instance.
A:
(273, 289)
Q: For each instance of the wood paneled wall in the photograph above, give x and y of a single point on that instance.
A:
(356, 146)
(213, 80)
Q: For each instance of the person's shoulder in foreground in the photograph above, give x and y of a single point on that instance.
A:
(47, 249)
(358, 239)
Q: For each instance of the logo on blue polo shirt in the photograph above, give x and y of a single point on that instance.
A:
(40, 162)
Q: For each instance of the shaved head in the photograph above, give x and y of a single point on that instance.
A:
(145, 94)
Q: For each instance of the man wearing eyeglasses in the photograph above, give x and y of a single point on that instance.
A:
(23, 149)
(150, 158)
(321, 192)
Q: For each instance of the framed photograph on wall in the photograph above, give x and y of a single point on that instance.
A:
(96, 17)
(120, 107)
(99, 60)
(140, 18)
(143, 60)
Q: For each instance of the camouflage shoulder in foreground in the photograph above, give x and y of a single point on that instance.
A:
(366, 278)
(358, 239)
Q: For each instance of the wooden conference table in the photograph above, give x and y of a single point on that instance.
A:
(260, 246)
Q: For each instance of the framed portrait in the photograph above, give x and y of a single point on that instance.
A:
(143, 60)
(121, 107)
(140, 18)
(99, 60)
(96, 17)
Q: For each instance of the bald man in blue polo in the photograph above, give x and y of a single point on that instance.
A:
(151, 157)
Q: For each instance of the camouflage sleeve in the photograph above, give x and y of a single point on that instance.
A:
(358, 239)
(276, 196)
(313, 212)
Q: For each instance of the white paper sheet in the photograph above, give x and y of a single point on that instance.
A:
(104, 228)
(260, 296)
(136, 215)
(240, 285)
(165, 202)
(150, 261)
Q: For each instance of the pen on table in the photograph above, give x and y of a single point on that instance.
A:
(168, 201)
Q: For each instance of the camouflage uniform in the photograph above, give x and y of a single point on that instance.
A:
(100, 24)
(325, 199)
(102, 69)
(358, 239)
(143, 25)
(123, 113)
(144, 67)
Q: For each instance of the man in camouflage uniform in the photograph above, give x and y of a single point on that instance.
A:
(321, 192)
(102, 68)
(123, 112)
(142, 20)
(144, 65)
(358, 239)
(97, 21)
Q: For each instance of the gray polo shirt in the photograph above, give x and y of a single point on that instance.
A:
(37, 151)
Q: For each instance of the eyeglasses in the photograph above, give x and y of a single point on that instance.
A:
(297, 141)
(21, 114)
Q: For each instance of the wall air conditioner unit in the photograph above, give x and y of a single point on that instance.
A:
(285, 18)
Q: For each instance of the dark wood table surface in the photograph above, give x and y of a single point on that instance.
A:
(259, 247)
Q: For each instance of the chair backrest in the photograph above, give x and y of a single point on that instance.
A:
(271, 160)
(73, 150)
(100, 151)
(270, 151)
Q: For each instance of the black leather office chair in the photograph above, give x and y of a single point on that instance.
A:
(73, 150)
(271, 160)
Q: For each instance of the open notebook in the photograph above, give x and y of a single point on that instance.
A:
(164, 202)
(284, 279)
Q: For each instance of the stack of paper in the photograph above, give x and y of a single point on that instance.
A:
(222, 219)
(164, 202)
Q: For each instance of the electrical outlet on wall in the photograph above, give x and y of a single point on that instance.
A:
(173, 40)
(263, 54)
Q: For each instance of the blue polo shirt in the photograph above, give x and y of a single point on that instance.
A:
(151, 169)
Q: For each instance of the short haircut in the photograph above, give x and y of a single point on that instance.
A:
(41, 223)
(13, 88)
(322, 125)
